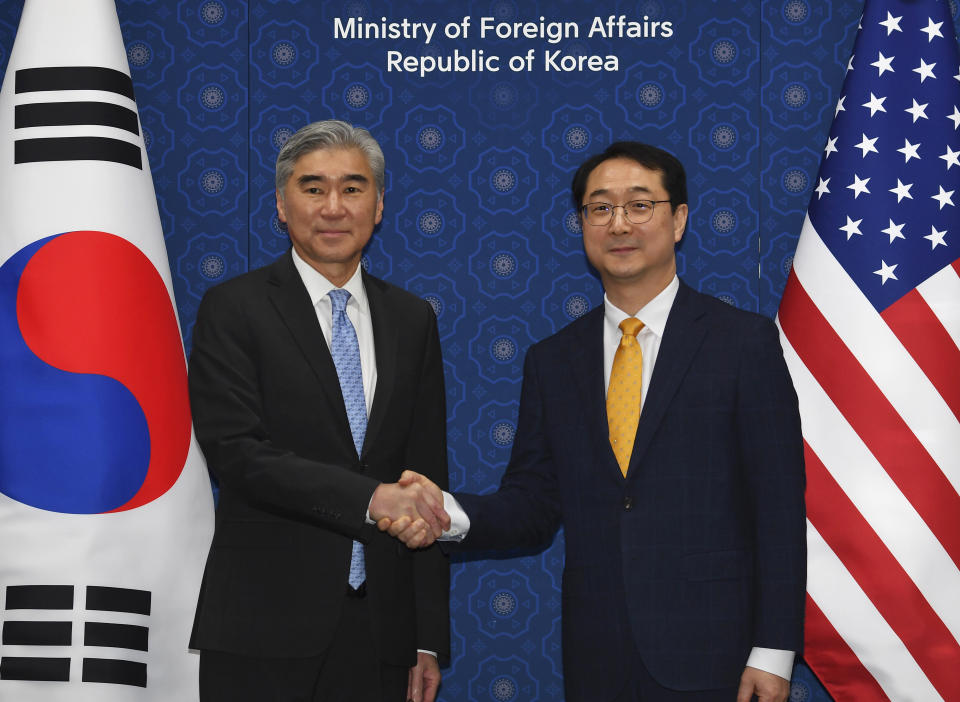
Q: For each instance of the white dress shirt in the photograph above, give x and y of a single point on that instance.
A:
(358, 311)
(654, 317)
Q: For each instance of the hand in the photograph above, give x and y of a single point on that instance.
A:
(412, 507)
(766, 686)
(423, 680)
(413, 533)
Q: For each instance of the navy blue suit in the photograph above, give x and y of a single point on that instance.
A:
(699, 554)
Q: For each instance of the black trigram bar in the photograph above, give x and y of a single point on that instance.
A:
(107, 670)
(77, 149)
(56, 114)
(39, 597)
(25, 668)
(29, 80)
(116, 635)
(118, 599)
(37, 633)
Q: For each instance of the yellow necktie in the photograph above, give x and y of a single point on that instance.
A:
(623, 394)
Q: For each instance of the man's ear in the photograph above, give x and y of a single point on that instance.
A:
(379, 215)
(679, 222)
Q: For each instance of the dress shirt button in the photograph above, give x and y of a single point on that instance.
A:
(627, 504)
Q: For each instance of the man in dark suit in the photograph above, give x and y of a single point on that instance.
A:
(671, 454)
(313, 385)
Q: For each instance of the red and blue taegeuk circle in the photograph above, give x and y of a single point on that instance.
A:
(93, 390)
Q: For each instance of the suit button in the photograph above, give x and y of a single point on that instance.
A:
(364, 467)
(627, 504)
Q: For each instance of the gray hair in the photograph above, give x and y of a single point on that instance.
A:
(329, 134)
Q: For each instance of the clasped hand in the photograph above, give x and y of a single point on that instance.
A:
(410, 509)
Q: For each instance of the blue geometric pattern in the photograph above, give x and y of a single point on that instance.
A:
(477, 217)
(346, 357)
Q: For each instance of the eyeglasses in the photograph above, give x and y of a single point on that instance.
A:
(636, 211)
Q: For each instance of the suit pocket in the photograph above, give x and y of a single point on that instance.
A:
(717, 565)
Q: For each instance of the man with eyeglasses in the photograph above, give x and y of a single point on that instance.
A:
(662, 431)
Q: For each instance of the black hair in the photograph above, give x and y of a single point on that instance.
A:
(671, 170)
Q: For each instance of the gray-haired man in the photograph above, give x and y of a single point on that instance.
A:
(313, 385)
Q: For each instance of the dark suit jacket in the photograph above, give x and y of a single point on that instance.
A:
(699, 554)
(271, 421)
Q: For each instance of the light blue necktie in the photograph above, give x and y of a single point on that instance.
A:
(346, 357)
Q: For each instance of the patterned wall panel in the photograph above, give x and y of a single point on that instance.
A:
(478, 219)
(806, 48)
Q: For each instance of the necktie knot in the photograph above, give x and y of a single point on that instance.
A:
(339, 298)
(630, 327)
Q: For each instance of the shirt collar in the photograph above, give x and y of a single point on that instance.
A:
(318, 286)
(653, 314)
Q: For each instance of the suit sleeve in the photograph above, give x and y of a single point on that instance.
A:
(772, 456)
(427, 454)
(228, 415)
(525, 510)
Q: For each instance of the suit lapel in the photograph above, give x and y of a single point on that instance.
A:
(587, 355)
(682, 337)
(385, 330)
(292, 302)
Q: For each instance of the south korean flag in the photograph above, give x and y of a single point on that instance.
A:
(105, 506)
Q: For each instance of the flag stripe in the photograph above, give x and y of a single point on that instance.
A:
(77, 149)
(19, 633)
(841, 670)
(875, 495)
(56, 114)
(879, 351)
(108, 670)
(30, 80)
(39, 597)
(941, 292)
(926, 339)
(882, 579)
(118, 599)
(30, 668)
(855, 618)
(116, 635)
(870, 415)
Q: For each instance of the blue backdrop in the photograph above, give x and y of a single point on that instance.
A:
(478, 219)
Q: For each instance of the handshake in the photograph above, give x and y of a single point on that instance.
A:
(410, 509)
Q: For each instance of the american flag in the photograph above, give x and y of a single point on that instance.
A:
(870, 325)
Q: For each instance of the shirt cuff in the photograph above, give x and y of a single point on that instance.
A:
(772, 660)
(459, 521)
(423, 650)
